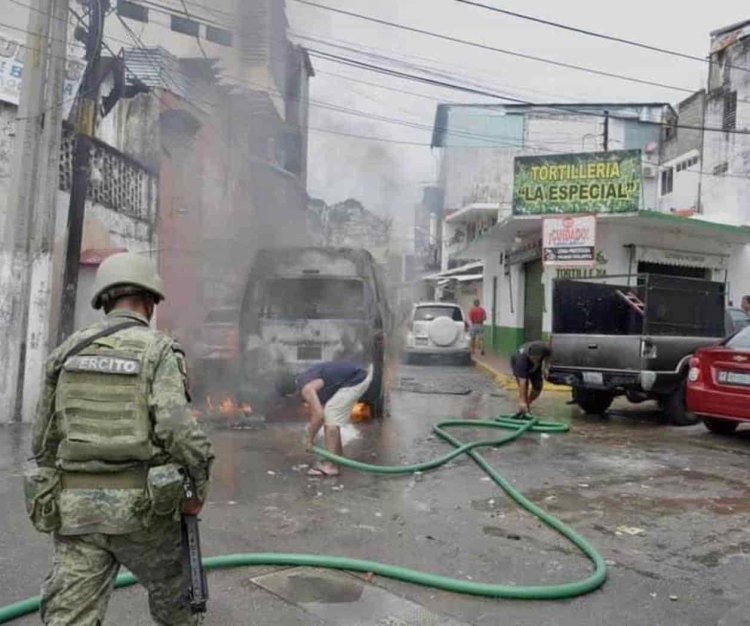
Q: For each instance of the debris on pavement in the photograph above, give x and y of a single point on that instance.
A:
(633, 531)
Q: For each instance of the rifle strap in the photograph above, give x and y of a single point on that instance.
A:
(85, 343)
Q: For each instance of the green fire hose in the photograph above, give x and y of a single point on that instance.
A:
(530, 592)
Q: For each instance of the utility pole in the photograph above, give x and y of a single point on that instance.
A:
(14, 258)
(605, 138)
(42, 234)
(86, 108)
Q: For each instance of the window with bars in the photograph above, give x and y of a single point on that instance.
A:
(729, 121)
(687, 164)
(667, 181)
(219, 35)
(721, 169)
(185, 26)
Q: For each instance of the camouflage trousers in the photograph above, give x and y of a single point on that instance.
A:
(78, 588)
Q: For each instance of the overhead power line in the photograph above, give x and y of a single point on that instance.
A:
(342, 133)
(356, 63)
(407, 60)
(481, 46)
(483, 92)
(591, 33)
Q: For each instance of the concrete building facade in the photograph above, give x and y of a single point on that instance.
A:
(478, 147)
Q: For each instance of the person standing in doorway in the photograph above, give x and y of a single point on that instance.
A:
(477, 317)
(331, 390)
(745, 305)
(529, 364)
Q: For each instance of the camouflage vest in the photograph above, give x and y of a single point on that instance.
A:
(101, 401)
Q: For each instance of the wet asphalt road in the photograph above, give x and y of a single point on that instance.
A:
(668, 507)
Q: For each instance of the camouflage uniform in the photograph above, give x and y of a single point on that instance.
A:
(103, 528)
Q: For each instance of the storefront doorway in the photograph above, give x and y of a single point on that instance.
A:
(533, 300)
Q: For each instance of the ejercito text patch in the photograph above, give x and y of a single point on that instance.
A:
(103, 365)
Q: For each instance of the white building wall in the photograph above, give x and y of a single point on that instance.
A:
(726, 182)
(686, 181)
(725, 195)
(7, 135)
(473, 175)
(739, 274)
(510, 289)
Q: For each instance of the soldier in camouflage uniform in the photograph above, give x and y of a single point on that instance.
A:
(108, 415)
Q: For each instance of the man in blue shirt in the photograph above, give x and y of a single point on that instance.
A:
(529, 364)
(330, 389)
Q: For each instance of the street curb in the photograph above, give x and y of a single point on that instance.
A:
(507, 381)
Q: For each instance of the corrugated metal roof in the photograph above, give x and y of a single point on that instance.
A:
(157, 68)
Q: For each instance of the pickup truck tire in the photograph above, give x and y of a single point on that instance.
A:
(593, 401)
(719, 426)
(675, 408)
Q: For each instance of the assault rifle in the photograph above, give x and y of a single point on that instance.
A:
(197, 585)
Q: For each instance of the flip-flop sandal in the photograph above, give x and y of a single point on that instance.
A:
(319, 472)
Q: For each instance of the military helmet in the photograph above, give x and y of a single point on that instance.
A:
(127, 270)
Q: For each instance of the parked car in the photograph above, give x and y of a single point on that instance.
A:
(736, 320)
(438, 329)
(718, 388)
(633, 340)
(307, 305)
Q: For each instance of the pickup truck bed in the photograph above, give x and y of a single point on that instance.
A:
(613, 339)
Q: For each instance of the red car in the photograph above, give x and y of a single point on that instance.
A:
(718, 388)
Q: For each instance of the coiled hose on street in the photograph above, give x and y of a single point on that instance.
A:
(517, 426)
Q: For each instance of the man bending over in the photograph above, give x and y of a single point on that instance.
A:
(331, 390)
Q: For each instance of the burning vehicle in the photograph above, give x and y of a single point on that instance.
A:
(306, 305)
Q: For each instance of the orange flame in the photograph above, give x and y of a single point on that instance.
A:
(228, 407)
(361, 412)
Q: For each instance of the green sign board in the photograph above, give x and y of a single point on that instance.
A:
(591, 182)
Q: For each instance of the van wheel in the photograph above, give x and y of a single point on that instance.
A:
(675, 408)
(593, 401)
(719, 426)
(378, 406)
(375, 395)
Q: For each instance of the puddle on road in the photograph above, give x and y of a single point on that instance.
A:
(343, 600)
(303, 589)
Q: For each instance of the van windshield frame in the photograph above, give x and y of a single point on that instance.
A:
(312, 297)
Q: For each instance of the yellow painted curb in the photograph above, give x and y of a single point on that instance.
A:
(508, 381)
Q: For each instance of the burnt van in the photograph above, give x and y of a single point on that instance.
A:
(307, 305)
